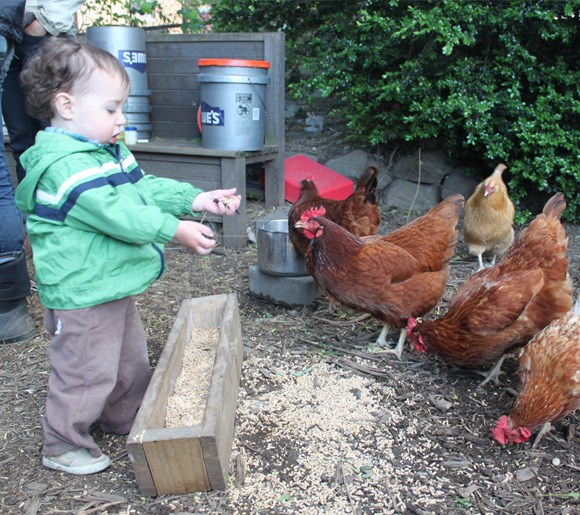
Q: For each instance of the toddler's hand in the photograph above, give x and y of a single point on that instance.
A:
(217, 202)
(195, 236)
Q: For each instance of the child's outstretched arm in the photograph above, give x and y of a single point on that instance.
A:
(198, 237)
(195, 236)
(217, 202)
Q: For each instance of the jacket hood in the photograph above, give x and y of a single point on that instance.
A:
(49, 148)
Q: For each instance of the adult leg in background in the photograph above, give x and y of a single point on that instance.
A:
(22, 128)
(15, 322)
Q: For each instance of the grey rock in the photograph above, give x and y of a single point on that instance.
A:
(400, 194)
(384, 180)
(291, 107)
(314, 123)
(350, 165)
(458, 182)
(433, 167)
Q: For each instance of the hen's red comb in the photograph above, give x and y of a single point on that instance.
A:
(313, 212)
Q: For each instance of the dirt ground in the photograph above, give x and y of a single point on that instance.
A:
(322, 426)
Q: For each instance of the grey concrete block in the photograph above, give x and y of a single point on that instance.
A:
(286, 291)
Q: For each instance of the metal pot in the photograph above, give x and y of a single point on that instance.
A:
(276, 254)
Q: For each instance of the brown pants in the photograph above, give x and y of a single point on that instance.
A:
(100, 371)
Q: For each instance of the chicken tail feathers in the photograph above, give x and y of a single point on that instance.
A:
(458, 201)
(450, 207)
(368, 182)
(555, 206)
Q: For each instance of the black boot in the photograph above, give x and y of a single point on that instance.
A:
(16, 325)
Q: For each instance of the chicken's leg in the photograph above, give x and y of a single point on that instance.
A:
(546, 428)
(480, 259)
(381, 340)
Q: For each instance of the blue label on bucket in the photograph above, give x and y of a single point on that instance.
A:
(133, 59)
(212, 115)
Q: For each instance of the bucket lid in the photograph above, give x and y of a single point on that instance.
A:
(233, 62)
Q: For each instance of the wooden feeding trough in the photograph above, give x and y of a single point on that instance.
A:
(193, 458)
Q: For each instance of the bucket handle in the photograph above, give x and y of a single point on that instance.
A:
(258, 95)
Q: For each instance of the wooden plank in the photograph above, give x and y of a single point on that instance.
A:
(234, 227)
(154, 405)
(177, 465)
(172, 130)
(218, 424)
(188, 171)
(186, 65)
(275, 91)
(211, 37)
(274, 182)
(141, 469)
(161, 98)
(173, 83)
(203, 50)
(177, 113)
(207, 312)
(191, 148)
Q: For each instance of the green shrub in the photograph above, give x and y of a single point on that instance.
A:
(493, 81)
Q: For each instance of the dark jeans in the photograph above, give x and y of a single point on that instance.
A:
(11, 226)
(22, 128)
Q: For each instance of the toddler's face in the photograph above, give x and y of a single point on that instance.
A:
(98, 111)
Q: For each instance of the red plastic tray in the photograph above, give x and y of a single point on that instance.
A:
(330, 184)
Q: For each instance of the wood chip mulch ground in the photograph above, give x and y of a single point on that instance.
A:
(323, 426)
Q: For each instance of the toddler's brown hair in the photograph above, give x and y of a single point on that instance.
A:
(61, 65)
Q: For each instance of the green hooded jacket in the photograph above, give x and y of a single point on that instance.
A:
(97, 224)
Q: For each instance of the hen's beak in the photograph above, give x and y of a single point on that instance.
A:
(300, 225)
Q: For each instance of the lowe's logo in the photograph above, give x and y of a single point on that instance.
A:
(212, 115)
(133, 59)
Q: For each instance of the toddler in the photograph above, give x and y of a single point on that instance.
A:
(97, 225)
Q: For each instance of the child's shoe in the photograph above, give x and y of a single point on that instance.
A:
(77, 461)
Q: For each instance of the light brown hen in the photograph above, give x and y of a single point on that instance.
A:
(488, 218)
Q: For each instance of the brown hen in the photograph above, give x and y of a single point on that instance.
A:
(503, 307)
(358, 213)
(549, 372)
(488, 218)
(391, 277)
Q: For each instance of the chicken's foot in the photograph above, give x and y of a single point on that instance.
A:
(480, 259)
(382, 342)
(545, 429)
(493, 374)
